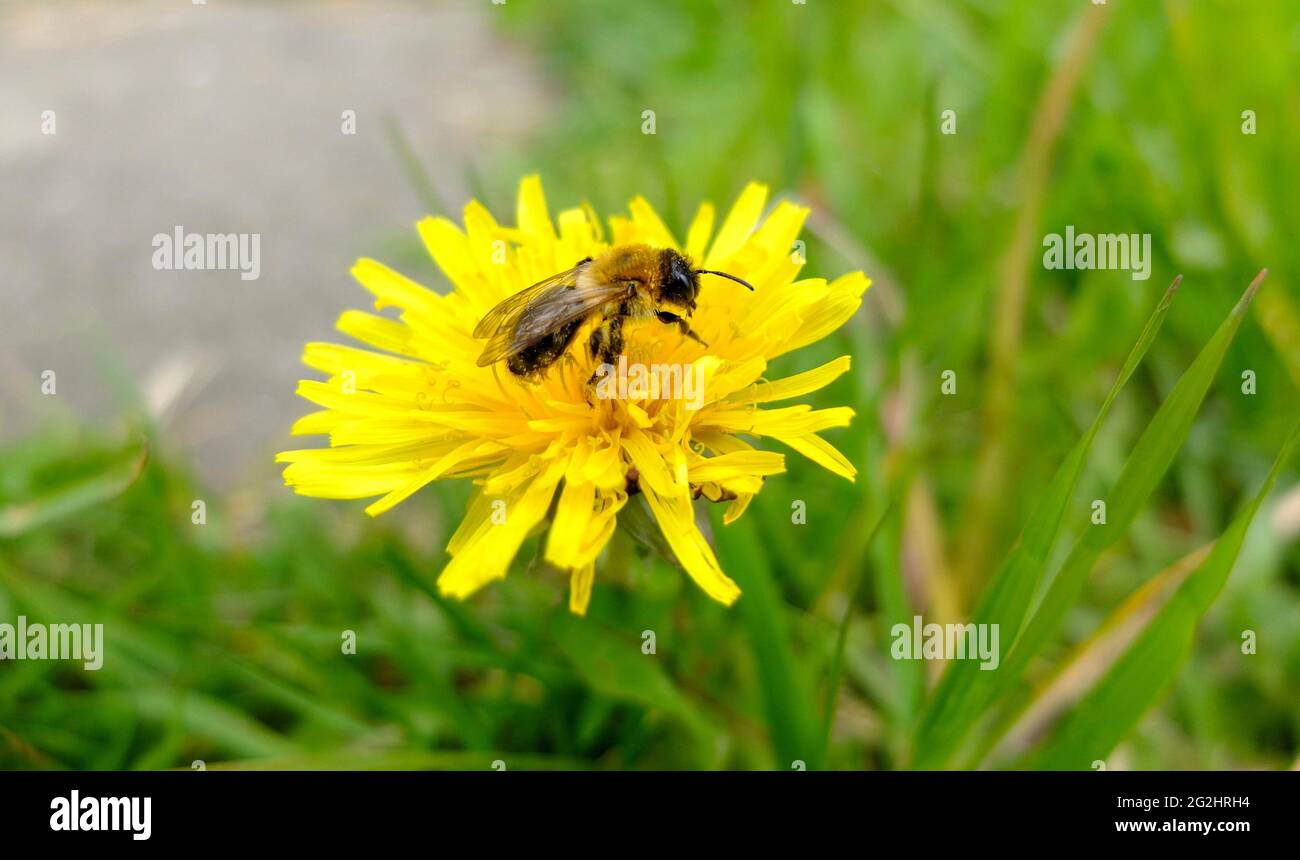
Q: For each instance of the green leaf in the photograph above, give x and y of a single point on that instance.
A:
(111, 480)
(842, 637)
(964, 689)
(1107, 714)
(1145, 466)
(787, 697)
(614, 666)
(207, 717)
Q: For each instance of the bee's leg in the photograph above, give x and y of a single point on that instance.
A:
(605, 344)
(686, 329)
(596, 343)
(613, 346)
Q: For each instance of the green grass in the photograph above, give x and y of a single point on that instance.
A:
(1071, 386)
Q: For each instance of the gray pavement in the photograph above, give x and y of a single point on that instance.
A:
(222, 118)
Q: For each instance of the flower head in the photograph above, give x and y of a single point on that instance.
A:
(423, 410)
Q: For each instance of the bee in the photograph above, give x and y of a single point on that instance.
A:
(533, 328)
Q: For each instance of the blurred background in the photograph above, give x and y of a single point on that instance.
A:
(224, 638)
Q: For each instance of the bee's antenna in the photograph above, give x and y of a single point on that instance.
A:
(725, 275)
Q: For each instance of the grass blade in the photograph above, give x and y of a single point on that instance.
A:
(1146, 465)
(110, 480)
(1107, 714)
(792, 724)
(1071, 678)
(1143, 470)
(964, 690)
(841, 639)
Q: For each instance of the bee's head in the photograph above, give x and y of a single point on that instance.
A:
(679, 284)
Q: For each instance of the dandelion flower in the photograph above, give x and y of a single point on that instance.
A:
(421, 409)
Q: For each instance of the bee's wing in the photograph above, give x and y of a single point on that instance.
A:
(509, 309)
(529, 315)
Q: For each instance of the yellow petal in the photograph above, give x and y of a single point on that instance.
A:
(788, 421)
(594, 220)
(321, 421)
(738, 225)
(822, 453)
(622, 229)
(489, 249)
(721, 443)
(449, 247)
(533, 216)
(374, 430)
(573, 514)
(605, 467)
(580, 582)
(777, 312)
(393, 289)
(477, 511)
(650, 228)
(345, 480)
(737, 508)
(741, 463)
(842, 300)
(601, 526)
(768, 257)
(577, 235)
(650, 463)
(357, 402)
(794, 386)
(378, 331)
(697, 236)
(486, 554)
(407, 452)
(333, 358)
(776, 235)
(676, 518)
(473, 449)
